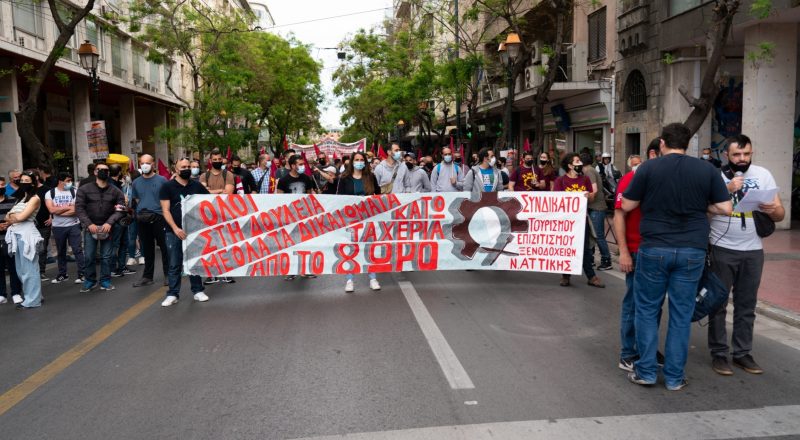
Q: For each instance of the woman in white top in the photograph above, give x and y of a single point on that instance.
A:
(23, 239)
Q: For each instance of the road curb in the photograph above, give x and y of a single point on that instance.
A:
(778, 314)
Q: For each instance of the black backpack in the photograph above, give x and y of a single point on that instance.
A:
(53, 193)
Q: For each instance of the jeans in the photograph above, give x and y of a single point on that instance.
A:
(175, 254)
(598, 221)
(661, 271)
(627, 329)
(119, 249)
(7, 262)
(133, 234)
(149, 235)
(71, 235)
(91, 246)
(742, 271)
(372, 276)
(28, 272)
(45, 232)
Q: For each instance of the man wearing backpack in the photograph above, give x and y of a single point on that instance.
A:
(218, 181)
(60, 201)
(447, 176)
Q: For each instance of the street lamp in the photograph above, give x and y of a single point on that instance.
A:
(509, 51)
(400, 125)
(90, 57)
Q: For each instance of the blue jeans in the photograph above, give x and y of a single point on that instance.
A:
(71, 235)
(28, 272)
(133, 234)
(598, 221)
(90, 247)
(661, 271)
(627, 329)
(175, 255)
(7, 262)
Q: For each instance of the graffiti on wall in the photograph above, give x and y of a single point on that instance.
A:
(727, 114)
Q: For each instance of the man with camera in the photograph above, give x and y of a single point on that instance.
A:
(99, 205)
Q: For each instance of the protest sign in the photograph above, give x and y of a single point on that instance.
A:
(98, 141)
(291, 234)
(330, 148)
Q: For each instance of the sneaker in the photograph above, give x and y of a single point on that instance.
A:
(88, 286)
(170, 300)
(374, 285)
(201, 297)
(227, 280)
(17, 299)
(290, 277)
(596, 282)
(143, 282)
(660, 359)
(679, 386)
(3, 300)
(747, 363)
(117, 274)
(348, 286)
(210, 280)
(44, 277)
(627, 364)
(107, 286)
(633, 377)
(141, 261)
(721, 366)
(50, 260)
(59, 279)
(127, 271)
(606, 265)
(131, 262)
(80, 280)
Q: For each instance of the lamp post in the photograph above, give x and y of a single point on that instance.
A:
(90, 56)
(509, 51)
(400, 125)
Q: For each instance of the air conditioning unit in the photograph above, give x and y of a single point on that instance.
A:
(21, 41)
(489, 93)
(578, 56)
(537, 46)
(502, 93)
(533, 77)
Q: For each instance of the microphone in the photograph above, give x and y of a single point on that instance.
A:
(740, 174)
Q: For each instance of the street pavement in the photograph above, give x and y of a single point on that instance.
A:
(433, 355)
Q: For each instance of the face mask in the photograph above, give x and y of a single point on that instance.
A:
(195, 171)
(68, 186)
(410, 166)
(458, 160)
(359, 165)
(542, 162)
(529, 163)
(736, 168)
(185, 174)
(428, 166)
(448, 158)
(578, 169)
(24, 187)
(396, 155)
(706, 157)
(493, 161)
(102, 174)
(146, 168)
(633, 168)
(301, 169)
(321, 162)
(216, 165)
(16, 182)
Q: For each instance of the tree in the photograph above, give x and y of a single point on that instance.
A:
(66, 20)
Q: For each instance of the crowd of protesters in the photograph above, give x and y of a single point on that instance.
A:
(116, 218)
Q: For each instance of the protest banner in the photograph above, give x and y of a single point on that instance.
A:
(98, 141)
(329, 147)
(292, 234)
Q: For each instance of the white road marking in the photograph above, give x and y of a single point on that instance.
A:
(757, 422)
(456, 376)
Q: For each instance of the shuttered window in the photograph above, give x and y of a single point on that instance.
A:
(597, 35)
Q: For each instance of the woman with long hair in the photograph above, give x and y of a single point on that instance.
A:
(548, 173)
(23, 239)
(358, 180)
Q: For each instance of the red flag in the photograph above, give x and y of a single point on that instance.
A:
(526, 146)
(316, 151)
(361, 146)
(163, 170)
(419, 153)
(263, 150)
(131, 166)
(285, 143)
(381, 152)
(374, 153)
(305, 162)
(228, 154)
(451, 143)
(461, 150)
(335, 155)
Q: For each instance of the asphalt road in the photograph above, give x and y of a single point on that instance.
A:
(271, 359)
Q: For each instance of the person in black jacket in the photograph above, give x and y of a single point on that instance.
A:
(358, 180)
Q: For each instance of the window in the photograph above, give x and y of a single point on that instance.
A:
(27, 17)
(678, 6)
(635, 92)
(138, 66)
(597, 35)
(118, 65)
(155, 76)
(93, 34)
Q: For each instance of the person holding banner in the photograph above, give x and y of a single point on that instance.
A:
(485, 176)
(446, 175)
(172, 195)
(574, 181)
(391, 173)
(296, 182)
(358, 180)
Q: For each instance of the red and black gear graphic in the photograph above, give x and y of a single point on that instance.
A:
(506, 209)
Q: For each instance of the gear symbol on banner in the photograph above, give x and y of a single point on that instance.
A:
(506, 210)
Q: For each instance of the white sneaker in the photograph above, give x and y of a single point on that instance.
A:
(141, 261)
(131, 262)
(201, 296)
(348, 286)
(17, 299)
(170, 300)
(3, 300)
(374, 285)
(80, 280)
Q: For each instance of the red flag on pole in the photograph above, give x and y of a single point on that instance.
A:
(526, 146)
(228, 154)
(419, 154)
(285, 143)
(362, 146)
(163, 170)
(305, 162)
(381, 152)
(263, 150)
(316, 151)
(374, 153)
(451, 143)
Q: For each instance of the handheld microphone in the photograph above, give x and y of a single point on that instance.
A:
(744, 226)
(738, 174)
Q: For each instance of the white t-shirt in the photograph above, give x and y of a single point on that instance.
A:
(62, 199)
(727, 231)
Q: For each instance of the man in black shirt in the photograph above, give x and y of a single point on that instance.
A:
(675, 192)
(248, 182)
(296, 181)
(171, 195)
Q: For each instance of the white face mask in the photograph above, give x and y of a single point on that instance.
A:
(146, 168)
(301, 169)
(493, 161)
(195, 171)
(633, 168)
(706, 157)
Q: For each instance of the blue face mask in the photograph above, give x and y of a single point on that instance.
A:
(448, 158)
(68, 186)
(359, 165)
(397, 155)
(301, 169)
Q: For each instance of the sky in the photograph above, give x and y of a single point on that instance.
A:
(326, 33)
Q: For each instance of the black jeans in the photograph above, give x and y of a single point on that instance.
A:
(69, 235)
(151, 234)
(7, 262)
(45, 231)
(740, 270)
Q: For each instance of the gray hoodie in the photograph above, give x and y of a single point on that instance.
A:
(441, 175)
(384, 172)
(473, 181)
(416, 181)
